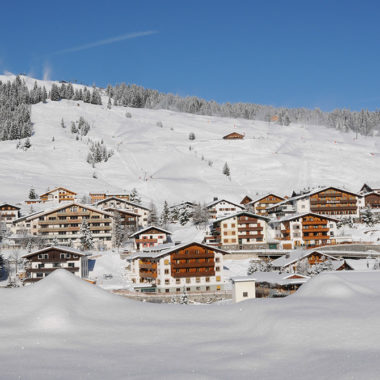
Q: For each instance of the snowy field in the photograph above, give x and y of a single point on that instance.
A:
(64, 328)
(158, 162)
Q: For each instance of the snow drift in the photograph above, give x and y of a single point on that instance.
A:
(65, 328)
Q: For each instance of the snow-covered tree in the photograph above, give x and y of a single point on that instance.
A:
(119, 231)
(86, 238)
(259, 266)
(152, 217)
(200, 215)
(164, 219)
(191, 136)
(368, 217)
(55, 93)
(109, 104)
(63, 123)
(135, 196)
(33, 194)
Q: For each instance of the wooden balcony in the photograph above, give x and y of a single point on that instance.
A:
(250, 236)
(147, 265)
(319, 229)
(193, 274)
(74, 221)
(148, 273)
(242, 219)
(338, 208)
(191, 255)
(146, 240)
(241, 229)
(193, 265)
(316, 237)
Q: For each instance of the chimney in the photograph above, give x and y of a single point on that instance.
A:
(215, 199)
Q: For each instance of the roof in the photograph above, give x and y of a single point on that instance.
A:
(364, 195)
(264, 196)
(121, 200)
(149, 228)
(295, 216)
(361, 264)
(129, 212)
(69, 204)
(293, 257)
(8, 204)
(232, 134)
(273, 278)
(58, 248)
(223, 200)
(241, 213)
(173, 248)
(58, 188)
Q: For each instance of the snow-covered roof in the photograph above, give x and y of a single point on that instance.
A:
(58, 188)
(243, 279)
(247, 213)
(259, 198)
(295, 216)
(298, 254)
(58, 248)
(361, 264)
(9, 204)
(70, 204)
(213, 203)
(149, 228)
(137, 205)
(129, 212)
(273, 278)
(173, 248)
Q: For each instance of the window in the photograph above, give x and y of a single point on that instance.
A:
(41, 266)
(40, 275)
(166, 271)
(245, 294)
(166, 282)
(188, 281)
(55, 265)
(218, 278)
(198, 279)
(207, 288)
(198, 288)
(70, 265)
(166, 290)
(207, 279)
(217, 259)
(178, 290)
(177, 280)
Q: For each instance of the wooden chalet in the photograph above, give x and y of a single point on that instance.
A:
(59, 194)
(246, 200)
(9, 213)
(372, 200)
(193, 267)
(96, 197)
(233, 136)
(151, 236)
(369, 189)
(259, 205)
(41, 263)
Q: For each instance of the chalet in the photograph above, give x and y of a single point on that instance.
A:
(96, 197)
(369, 189)
(246, 200)
(149, 237)
(259, 205)
(289, 262)
(190, 267)
(9, 213)
(123, 204)
(242, 230)
(325, 201)
(233, 136)
(220, 208)
(63, 224)
(128, 219)
(304, 230)
(59, 194)
(372, 200)
(41, 263)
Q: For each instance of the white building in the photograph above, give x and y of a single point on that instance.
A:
(243, 288)
(149, 237)
(220, 208)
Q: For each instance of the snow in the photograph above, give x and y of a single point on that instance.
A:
(65, 328)
(158, 162)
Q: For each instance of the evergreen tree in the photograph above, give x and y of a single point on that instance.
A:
(33, 194)
(109, 104)
(200, 215)
(86, 238)
(135, 196)
(191, 136)
(226, 170)
(63, 123)
(164, 220)
(152, 217)
(44, 95)
(55, 93)
(27, 143)
(119, 231)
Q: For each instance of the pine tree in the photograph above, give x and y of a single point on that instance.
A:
(44, 95)
(135, 196)
(152, 217)
(164, 220)
(33, 194)
(226, 170)
(119, 231)
(86, 236)
(55, 93)
(191, 136)
(63, 123)
(200, 215)
(27, 144)
(109, 104)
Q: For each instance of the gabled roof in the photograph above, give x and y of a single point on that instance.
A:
(296, 216)
(58, 248)
(70, 204)
(264, 196)
(223, 200)
(364, 195)
(121, 200)
(246, 213)
(273, 278)
(30, 216)
(299, 254)
(8, 204)
(376, 186)
(143, 230)
(234, 134)
(129, 212)
(58, 188)
(156, 254)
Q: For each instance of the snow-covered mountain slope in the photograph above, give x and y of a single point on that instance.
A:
(158, 161)
(64, 328)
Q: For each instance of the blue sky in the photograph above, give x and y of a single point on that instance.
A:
(305, 53)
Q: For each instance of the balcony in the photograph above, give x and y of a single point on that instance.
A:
(241, 229)
(148, 265)
(192, 255)
(193, 274)
(146, 240)
(46, 270)
(319, 229)
(148, 273)
(257, 236)
(193, 265)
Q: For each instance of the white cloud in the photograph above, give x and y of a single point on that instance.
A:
(47, 71)
(106, 41)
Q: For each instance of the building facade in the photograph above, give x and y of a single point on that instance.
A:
(59, 194)
(8, 214)
(259, 206)
(96, 197)
(220, 208)
(191, 267)
(41, 263)
(149, 237)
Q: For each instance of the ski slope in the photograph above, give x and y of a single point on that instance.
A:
(158, 161)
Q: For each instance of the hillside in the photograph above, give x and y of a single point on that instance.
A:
(158, 161)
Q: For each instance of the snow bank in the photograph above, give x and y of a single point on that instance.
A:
(65, 328)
